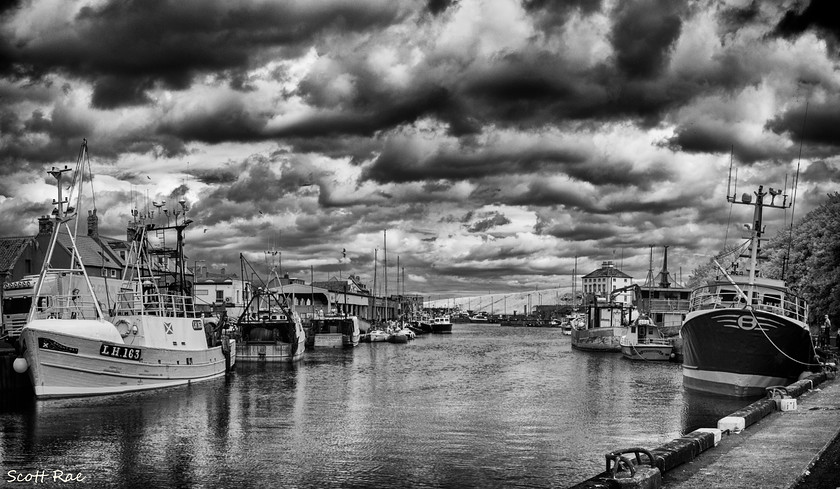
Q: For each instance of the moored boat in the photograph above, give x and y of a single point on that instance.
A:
(644, 341)
(335, 331)
(154, 337)
(267, 330)
(441, 324)
(602, 329)
(378, 335)
(745, 332)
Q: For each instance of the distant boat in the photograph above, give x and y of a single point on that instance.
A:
(378, 335)
(398, 336)
(441, 324)
(479, 318)
(335, 331)
(644, 341)
(154, 338)
(745, 332)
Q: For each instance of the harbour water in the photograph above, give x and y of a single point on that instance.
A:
(487, 406)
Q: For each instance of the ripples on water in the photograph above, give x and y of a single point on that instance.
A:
(487, 406)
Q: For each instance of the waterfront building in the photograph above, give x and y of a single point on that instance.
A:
(664, 300)
(606, 280)
(215, 293)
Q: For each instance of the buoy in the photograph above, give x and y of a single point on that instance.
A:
(20, 365)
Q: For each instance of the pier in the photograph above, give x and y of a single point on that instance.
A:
(773, 442)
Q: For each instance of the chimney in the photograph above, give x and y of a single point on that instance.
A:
(665, 276)
(45, 226)
(223, 271)
(93, 224)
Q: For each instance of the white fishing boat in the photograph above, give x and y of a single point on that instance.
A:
(644, 341)
(154, 337)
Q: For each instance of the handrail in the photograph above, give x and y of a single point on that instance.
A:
(713, 297)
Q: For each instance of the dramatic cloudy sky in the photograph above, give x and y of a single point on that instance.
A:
(494, 140)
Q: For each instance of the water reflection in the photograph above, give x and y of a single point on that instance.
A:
(485, 407)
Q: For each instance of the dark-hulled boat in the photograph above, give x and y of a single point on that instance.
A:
(744, 332)
(268, 330)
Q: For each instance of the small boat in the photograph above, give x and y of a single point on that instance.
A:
(335, 331)
(404, 329)
(426, 323)
(744, 332)
(378, 335)
(479, 318)
(441, 324)
(154, 337)
(644, 341)
(398, 337)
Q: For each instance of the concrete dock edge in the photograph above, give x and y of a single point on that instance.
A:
(676, 455)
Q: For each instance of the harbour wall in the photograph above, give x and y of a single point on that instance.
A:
(677, 464)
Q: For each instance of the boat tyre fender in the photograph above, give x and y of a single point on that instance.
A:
(123, 327)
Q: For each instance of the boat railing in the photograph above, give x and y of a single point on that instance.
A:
(790, 306)
(68, 306)
(664, 305)
(653, 341)
(169, 305)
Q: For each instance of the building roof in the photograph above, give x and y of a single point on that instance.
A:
(607, 270)
(92, 252)
(10, 251)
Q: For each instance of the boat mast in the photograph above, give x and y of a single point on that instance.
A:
(757, 227)
(574, 287)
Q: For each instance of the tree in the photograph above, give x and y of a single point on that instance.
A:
(728, 258)
(812, 265)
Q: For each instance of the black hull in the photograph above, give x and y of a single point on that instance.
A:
(725, 353)
(442, 328)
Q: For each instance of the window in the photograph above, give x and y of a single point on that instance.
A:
(220, 296)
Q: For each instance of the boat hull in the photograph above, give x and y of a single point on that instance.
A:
(63, 365)
(597, 339)
(441, 328)
(726, 353)
(277, 352)
(398, 338)
(336, 340)
(647, 352)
